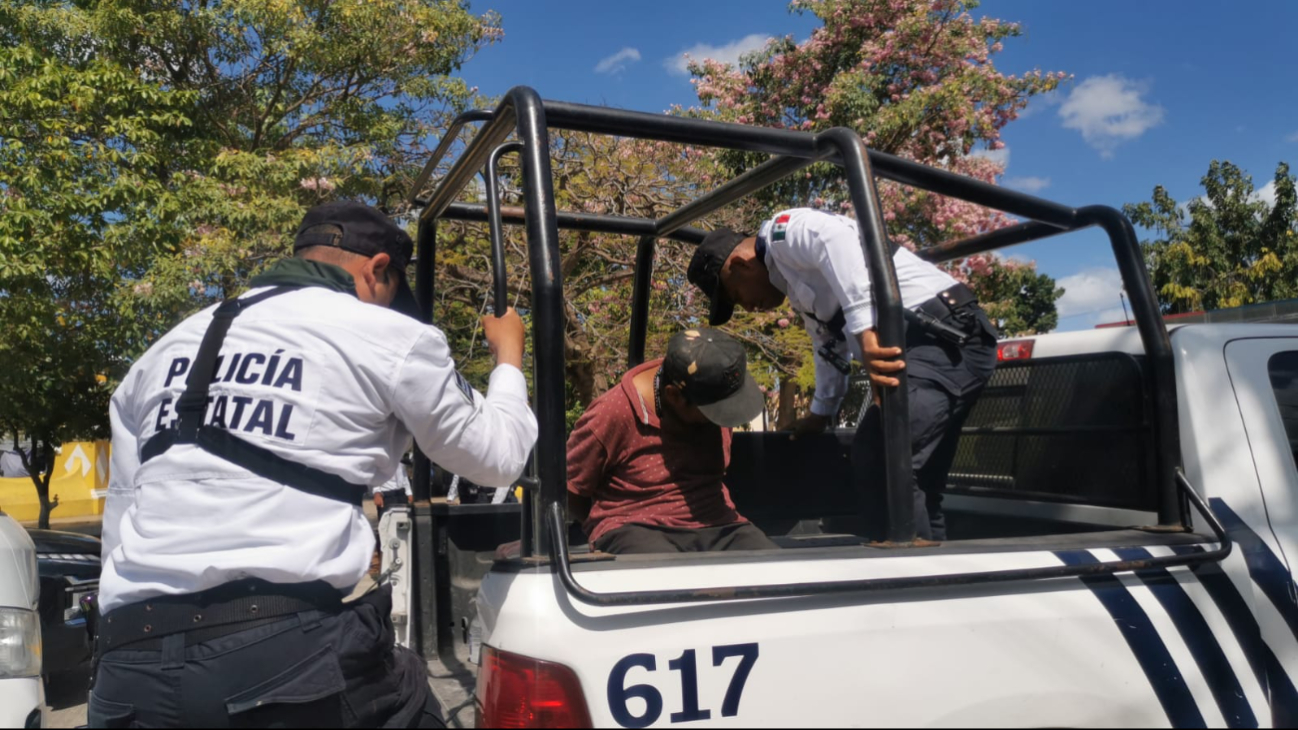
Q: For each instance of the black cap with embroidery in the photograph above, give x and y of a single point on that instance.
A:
(363, 230)
(711, 369)
(705, 271)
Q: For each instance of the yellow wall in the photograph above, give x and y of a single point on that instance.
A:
(80, 480)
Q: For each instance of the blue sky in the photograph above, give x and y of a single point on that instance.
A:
(1159, 90)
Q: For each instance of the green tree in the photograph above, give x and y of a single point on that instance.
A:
(1233, 246)
(154, 155)
(1018, 300)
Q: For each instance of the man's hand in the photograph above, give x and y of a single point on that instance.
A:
(505, 337)
(880, 362)
(378, 500)
(808, 425)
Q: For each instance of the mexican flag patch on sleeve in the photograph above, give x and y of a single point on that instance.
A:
(780, 228)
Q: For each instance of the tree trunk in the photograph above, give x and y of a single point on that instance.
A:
(787, 411)
(578, 366)
(40, 474)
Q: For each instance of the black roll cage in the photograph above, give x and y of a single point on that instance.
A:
(522, 112)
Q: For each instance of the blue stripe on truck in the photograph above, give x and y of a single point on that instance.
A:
(1275, 581)
(1267, 669)
(1145, 643)
(1267, 570)
(1198, 637)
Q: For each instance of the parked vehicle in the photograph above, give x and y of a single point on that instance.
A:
(1121, 512)
(22, 693)
(69, 568)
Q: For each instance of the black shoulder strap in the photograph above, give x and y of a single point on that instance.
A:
(835, 326)
(192, 406)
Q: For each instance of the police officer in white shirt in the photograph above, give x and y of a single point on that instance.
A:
(243, 442)
(815, 260)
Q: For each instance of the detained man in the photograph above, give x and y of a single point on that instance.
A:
(647, 460)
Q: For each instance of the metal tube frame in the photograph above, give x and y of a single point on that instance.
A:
(644, 273)
(448, 139)
(788, 590)
(500, 275)
(593, 223)
(522, 111)
(425, 265)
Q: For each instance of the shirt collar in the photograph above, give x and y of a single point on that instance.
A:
(764, 255)
(644, 408)
(301, 272)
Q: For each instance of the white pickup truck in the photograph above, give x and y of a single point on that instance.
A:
(1120, 511)
(1211, 646)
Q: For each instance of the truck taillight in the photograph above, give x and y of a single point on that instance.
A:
(520, 692)
(1014, 350)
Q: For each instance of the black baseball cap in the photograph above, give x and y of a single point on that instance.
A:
(711, 369)
(363, 230)
(705, 271)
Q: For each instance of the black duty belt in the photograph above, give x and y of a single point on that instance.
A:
(191, 407)
(235, 606)
(948, 316)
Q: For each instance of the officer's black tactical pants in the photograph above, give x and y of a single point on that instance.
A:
(944, 382)
(313, 669)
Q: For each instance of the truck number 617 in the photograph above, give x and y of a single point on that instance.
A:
(687, 665)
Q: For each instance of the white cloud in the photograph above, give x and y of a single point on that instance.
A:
(728, 53)
(1090, 297)
(1109, 110)
(1266, 194)
(1028, 184)
(1292, 138)
(618, 61)
(1184, 208)
(1000, 156)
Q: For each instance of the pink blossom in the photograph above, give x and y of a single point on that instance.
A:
(783, 322)
(936, 92)
(321, 184)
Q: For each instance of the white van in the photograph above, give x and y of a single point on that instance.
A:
(21, 692)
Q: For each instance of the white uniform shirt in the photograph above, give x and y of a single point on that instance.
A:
(815, 258)
(399, 482)
(317, 377)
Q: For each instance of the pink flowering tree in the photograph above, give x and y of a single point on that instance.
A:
(915, 78)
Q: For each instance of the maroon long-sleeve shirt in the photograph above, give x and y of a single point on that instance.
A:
(634, 472)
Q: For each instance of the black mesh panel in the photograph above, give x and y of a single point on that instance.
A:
(1061, 429)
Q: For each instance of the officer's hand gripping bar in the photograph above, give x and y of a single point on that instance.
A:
(923, 320)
